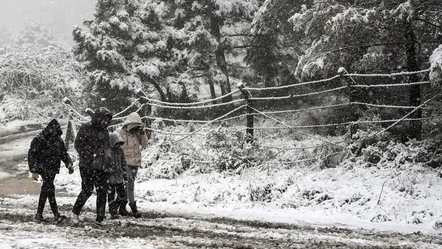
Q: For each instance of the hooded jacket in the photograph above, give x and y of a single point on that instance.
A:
(117, 169)
(92, 141)
(134, 139)
(48, 150)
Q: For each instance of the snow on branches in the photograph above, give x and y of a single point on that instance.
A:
(340, 33)
(436, 67)
(403, 11)
(34, 80)
(111, 58)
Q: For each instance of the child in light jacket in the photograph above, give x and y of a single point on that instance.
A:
(135, 140)
(117, 175)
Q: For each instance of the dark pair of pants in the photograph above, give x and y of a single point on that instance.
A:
(132, 172)
(90, 179)
(47, 192)
(114, 203)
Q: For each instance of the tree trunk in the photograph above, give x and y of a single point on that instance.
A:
(415, 90)
(184, 97)
(268, 79)
(221, 58)
(156, 85)
(211, 85)
(225, 85)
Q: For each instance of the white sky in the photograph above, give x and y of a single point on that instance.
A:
(57, 15)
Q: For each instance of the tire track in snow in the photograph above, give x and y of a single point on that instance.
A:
(169, 231)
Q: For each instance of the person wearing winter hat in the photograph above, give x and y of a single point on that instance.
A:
(117, 175)
(46, 152)
(135, 138)
(92, 145)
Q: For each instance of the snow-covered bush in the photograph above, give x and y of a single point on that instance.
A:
(233, 152)
(383, 151)
(430, 151)
(218, 151)
(34, 81)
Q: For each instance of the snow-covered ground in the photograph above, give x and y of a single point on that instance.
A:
(407, 199)
(402, 199)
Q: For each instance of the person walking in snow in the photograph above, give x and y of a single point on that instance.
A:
(92, 145)
(46, 152)
(117, 175)
(135, 139)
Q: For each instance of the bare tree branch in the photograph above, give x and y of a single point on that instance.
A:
(429, 23)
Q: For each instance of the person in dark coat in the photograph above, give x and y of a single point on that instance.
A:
(92, 145)
(117, 175)
(44, 158)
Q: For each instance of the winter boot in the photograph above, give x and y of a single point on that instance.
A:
(133, 207)
(39, 218)
(76, 218)
(123, 211)
(100, 218)
(59, 218)
(113, 209)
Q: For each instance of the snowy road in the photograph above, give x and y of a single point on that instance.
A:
(13, 168)
(18, 230)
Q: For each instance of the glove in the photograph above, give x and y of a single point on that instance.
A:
(141, 131)
(70, 168)
(35, 176)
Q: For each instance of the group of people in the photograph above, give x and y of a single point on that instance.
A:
(108, 162)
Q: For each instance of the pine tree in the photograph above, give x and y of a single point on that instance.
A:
(369, 37)
(365, 37)
(105, 52)
(215, 29)
(130, 46)
(274, 45)
(163, 54)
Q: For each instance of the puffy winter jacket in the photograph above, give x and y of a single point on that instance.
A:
(134, 138)
(48, 150)
(92, 142)
(117, 169)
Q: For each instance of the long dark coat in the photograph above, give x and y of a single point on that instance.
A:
(92, 142)
(48, 150)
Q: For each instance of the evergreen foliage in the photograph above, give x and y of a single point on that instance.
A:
(274, 47)
(161, 45)
(366, 37)
(371, 37)
(130, 46)
(106, 51)
(172, 49)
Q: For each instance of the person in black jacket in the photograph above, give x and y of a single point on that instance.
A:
(92, 145)
(44, 157)
(117, 175)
